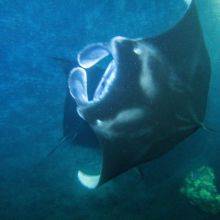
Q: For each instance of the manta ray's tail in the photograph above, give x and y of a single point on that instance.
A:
(70, 137)
(205, 127)
(200, 123)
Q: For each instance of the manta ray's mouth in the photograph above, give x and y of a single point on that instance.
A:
(105, 82)
(88, 58)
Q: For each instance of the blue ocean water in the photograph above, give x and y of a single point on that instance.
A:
(32, 92)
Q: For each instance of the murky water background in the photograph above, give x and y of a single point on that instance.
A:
(32, 92)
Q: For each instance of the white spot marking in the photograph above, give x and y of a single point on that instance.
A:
(146, 80)
(122, 118)
(137, 50)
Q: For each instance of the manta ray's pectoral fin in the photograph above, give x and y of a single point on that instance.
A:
(120, 156)
(117, 159)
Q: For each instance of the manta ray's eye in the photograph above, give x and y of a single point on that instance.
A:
(137, 50)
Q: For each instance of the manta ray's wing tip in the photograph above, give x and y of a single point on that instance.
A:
(89, 181)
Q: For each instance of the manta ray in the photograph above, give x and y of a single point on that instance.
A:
(151, 96)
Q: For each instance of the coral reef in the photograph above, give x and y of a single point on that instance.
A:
(200, 189)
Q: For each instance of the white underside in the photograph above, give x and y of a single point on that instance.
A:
(89, 181)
